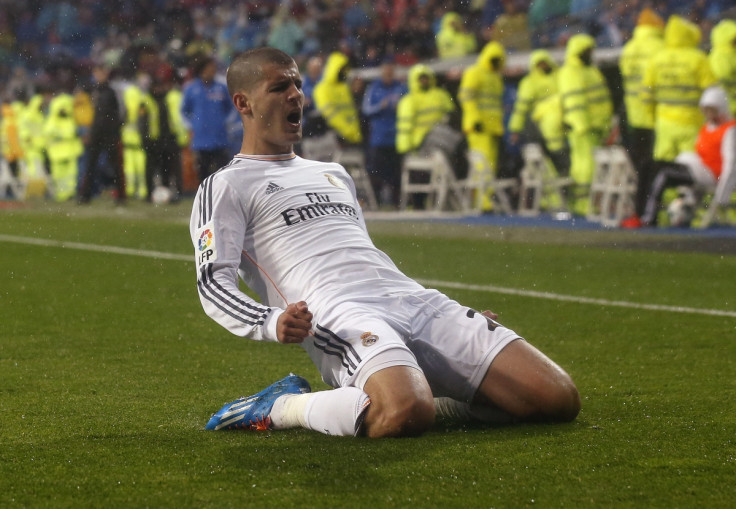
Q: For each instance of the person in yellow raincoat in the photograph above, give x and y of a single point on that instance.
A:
(134, 155)
(12, 150)
(672, 86)
(537, 99)
(636, 54)
(722, 58)
(452, 39)
(586, 113)
(32, 137)
(421, 109)
(481, 98)
(63, 146)
(334, 99)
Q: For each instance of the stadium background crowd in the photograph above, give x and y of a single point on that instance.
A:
(50, 48)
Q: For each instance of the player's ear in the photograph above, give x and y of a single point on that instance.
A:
(242, 103)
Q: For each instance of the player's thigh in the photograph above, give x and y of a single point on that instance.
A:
(524, 381)
(454, 345)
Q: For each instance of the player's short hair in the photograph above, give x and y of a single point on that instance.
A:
(246, 69)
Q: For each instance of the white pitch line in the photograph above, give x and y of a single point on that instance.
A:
(94, 247)
(426, 282)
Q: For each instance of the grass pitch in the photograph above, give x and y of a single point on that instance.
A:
(109, 370)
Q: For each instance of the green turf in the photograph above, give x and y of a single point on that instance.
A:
(109, 370)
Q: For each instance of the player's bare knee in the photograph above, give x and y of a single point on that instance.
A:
(564, 402)
(410, 419)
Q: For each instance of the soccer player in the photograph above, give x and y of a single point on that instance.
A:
(395, 352)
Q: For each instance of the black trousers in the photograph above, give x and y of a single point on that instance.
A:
(640, 144)
(97, 147)
(669, 175)
(209, 161)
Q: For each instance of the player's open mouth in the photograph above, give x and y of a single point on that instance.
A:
(294, 118)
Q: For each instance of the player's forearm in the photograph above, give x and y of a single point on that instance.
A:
(234, 310)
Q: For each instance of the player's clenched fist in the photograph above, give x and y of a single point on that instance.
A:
(294, 323)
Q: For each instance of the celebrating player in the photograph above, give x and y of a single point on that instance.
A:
(396, 353)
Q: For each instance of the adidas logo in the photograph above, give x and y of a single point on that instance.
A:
(273, 188)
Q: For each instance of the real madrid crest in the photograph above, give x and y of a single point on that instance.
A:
(368, 338)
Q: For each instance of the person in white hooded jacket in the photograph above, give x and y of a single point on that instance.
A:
(710, 168)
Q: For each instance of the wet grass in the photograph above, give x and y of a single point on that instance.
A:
(109, 370)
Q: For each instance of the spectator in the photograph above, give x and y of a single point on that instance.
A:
(285, 33)
(712, 167)
(453, 40)
(64, 146)
(538, 100)
(425, 106)
(32, 138)
(164, 150)
(639, 135)
(104, 136)
(586, 113)
(379, 106)
(205, 108)
(511, 29)
(334, 99)
(312, 122)
(481, 98)
(134, 155)
(722, 58)
(672, 86)
(10, 140)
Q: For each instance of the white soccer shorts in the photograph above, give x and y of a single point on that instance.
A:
(452, 344)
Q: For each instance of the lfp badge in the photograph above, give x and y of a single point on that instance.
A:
(206, 245)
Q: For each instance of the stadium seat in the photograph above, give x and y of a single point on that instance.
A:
(540, 183)
(9, 183)
(478, 182)
(613, 187)
(320, 148)
(432, 175)
(353, 160)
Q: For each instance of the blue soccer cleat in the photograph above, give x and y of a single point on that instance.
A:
(253, 412)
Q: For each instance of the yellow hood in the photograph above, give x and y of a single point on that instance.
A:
(335, 62)
(681, 33)
(413, 77)
(577, 44)
(490, 51)
(723, 34)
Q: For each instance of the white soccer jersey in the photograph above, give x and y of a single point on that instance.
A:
(293, 230)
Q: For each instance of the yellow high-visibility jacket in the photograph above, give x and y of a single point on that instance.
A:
(60, 129)
(677, 76)
(10, 140)
(420, 110)
(84, 111)
(452, 43)
(176, 124)
(31, 126)
(150, 108)
(584, 94)
(133, 98)
(635, 56)
(334, 100)
(534, 90)
(722, 58)
(481, 92)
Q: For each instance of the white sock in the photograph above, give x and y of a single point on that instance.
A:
(461, 411)
(336, 412)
